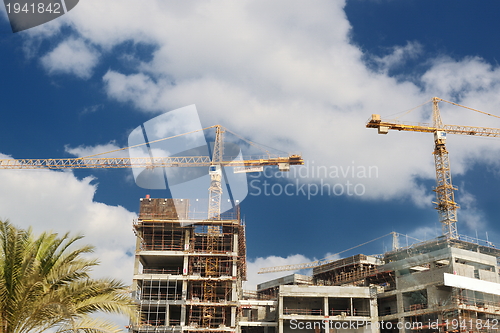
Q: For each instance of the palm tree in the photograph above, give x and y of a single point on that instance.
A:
(45, 285)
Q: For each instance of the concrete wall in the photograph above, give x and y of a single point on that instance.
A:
(433, 275)
(324, 291)
(463, 270)
(488, 275)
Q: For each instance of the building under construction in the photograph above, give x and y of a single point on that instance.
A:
(188, 276)
(187, 273)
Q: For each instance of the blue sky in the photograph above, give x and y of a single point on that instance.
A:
(300, 77)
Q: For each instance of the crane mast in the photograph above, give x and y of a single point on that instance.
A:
(215, 171)
(445, 191)
(214, 231)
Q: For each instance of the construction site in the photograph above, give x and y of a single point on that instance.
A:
(188, 273)
(189, 268)
(188, 277)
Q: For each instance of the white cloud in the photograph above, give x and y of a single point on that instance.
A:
(253, 266)
(84, 151)
(398, 56)
(137, 88)
(91, 109)
(469, 214)
(420, 234)
(286, 73)
(449, 78)
(58, 201)
(71, 56)
(252, 71)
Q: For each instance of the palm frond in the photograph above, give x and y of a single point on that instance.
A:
(45, 284)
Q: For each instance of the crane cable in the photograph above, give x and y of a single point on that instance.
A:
(466, 107)
(146, 143)
(443, 100)
(413, 109)
(331, 255)
(352, 248)
(258, 146)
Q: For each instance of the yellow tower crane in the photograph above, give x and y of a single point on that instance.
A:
(214, 163)
(445, 198)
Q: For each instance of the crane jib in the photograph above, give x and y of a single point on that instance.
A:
(90, 163)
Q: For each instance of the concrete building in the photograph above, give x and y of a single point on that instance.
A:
(443, 285)
(188, 274)
(326, 309)
(270, 289)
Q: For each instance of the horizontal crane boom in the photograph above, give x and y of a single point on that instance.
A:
(139, 162)
(294, 267)
(385, 125)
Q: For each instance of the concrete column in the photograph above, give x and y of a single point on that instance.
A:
(233, 316)
(374, 313)
(280, 314)
(234, 271)
(400, 303)
(401, 322)
(137, 266)
(183, 315)
(234, 291)
(186, 240)
(183, 307)
(400, 309)
(167, 315)
(235, 242)
(137, 262)
(432, 298)
(137, 250)
(185, 266)
(326, 314)
(235, 258)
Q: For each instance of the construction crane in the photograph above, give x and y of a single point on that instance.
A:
(215, 166)
(445, 200)
(331, 257)
(445, 197)
(214, 163)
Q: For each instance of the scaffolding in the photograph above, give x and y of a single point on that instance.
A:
(348, 271)
(188, 273)
(219, 317)
(214, 234)
(161, 236)
(155, 290)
